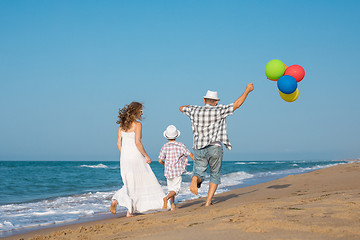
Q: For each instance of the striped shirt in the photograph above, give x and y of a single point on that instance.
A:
(209, 124)
(175, 156)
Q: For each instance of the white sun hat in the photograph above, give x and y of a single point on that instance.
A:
(171, 132)
(212, 95)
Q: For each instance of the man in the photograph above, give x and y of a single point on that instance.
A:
(209, 131)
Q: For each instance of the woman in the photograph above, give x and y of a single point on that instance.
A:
(141, 191)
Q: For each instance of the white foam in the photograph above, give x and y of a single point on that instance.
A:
(235, 178)
(294, 170)
(6, 224)
(47, 212)
(51, 212)
(95, 166)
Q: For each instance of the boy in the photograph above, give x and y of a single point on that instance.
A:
(175, 156)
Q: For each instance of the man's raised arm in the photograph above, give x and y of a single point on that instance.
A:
(241, 99)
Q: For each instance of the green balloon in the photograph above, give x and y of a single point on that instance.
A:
(274, 69)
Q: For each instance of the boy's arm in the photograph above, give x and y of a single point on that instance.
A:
(192, 156)
(161, 162)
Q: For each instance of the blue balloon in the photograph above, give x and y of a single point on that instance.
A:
(287, 84)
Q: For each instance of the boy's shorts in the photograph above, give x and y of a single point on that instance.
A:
(174, 184)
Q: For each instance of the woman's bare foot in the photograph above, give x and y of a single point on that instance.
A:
(165, 203)
(193, 186)
(113, 207)
(208, 204)
(173, 207)
(128, 214)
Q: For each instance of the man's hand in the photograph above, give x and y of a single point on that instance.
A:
(181, 108)
(250, 87)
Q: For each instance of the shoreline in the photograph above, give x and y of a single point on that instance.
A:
(106, 215)
(279, 208)
(83, 220)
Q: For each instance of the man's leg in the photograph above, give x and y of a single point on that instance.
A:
(200, 166)
(212, 190)
(195, 181)
(215, 162)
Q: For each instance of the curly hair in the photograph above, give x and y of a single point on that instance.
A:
(129, 114)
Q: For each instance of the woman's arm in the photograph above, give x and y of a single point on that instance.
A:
(118, 143)
(138, 128)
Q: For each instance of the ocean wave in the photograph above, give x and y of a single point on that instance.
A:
(47, 212)
(243, 163)
(239, 176)
(51, 212)
(235, 178)
(316, 167)
(74, 207)
(95, 166)
(71, 208)
(6, 224)
(294, 170)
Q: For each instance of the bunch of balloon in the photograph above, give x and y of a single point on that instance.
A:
(287, 78)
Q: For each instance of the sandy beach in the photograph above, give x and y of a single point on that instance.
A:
(323, 204)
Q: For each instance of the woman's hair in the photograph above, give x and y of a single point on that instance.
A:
(129, 114)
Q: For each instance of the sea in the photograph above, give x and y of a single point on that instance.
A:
(40, 194)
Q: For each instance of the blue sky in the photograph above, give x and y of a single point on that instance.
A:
(66, 67)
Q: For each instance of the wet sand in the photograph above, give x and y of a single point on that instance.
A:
(323, 204)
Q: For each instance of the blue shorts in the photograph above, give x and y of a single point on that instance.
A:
(208, 156)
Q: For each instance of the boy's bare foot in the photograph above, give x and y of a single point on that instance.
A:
(165, 203)
(173, 207)
(113, 207)
(193, 186)
(128, 214)
(208, 204)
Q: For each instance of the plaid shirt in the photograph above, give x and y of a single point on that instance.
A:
(175, 156)
(209, 124)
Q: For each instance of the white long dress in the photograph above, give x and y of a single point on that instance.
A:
(141, 191)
